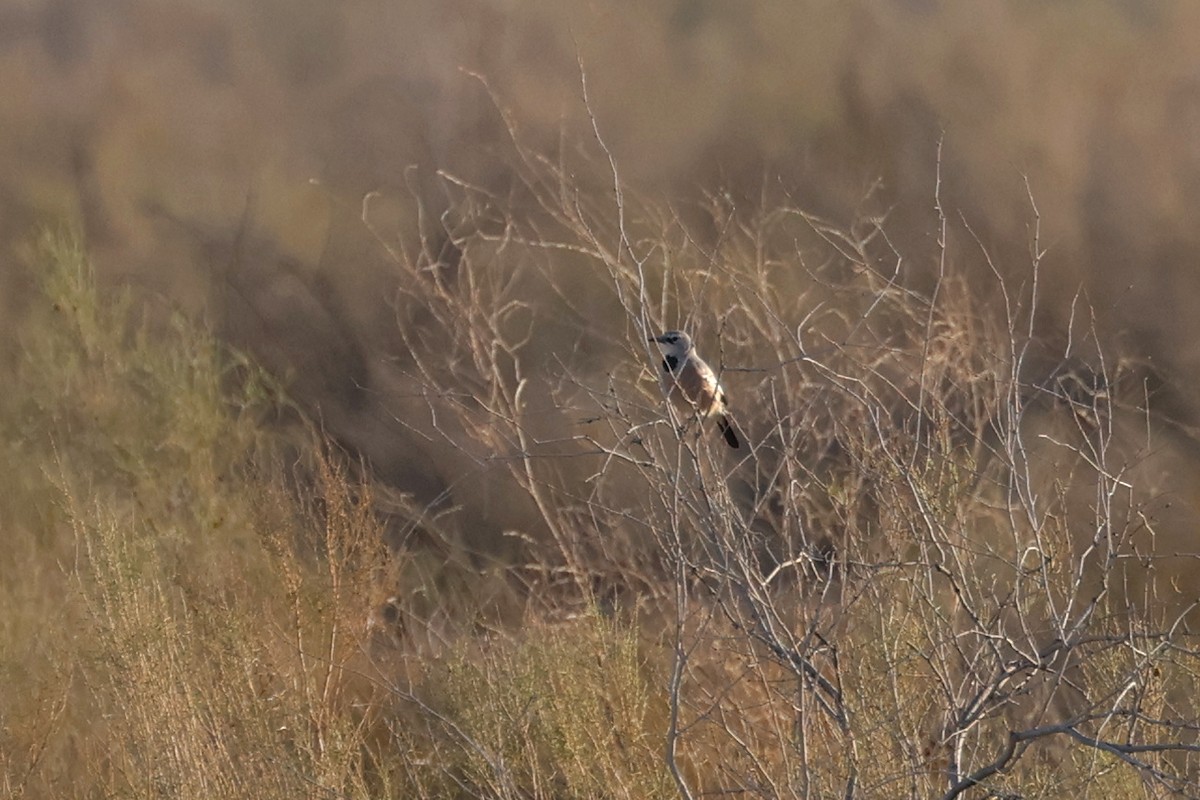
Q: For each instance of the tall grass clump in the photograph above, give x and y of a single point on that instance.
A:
(185, 605)
(570, 712)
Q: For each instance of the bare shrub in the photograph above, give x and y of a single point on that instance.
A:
(927, 577)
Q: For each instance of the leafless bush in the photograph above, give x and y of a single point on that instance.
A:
(930, 573)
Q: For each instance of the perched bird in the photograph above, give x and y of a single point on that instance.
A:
(691, 384)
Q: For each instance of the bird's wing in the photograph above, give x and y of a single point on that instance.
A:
(699, 386)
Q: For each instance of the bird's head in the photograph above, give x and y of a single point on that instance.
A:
(674, 343)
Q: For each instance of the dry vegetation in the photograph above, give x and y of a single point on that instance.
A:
(450, 545)
(934, 572)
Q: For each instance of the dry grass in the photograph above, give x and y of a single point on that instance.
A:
(928, 574)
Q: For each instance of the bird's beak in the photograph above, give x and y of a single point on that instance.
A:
(653, 339)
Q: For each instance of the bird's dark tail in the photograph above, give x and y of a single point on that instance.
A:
(726, 429)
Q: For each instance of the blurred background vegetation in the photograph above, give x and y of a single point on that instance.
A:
(189, 137)
(199, 142)
(304, 180)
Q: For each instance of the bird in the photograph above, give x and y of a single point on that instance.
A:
(691, 384)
